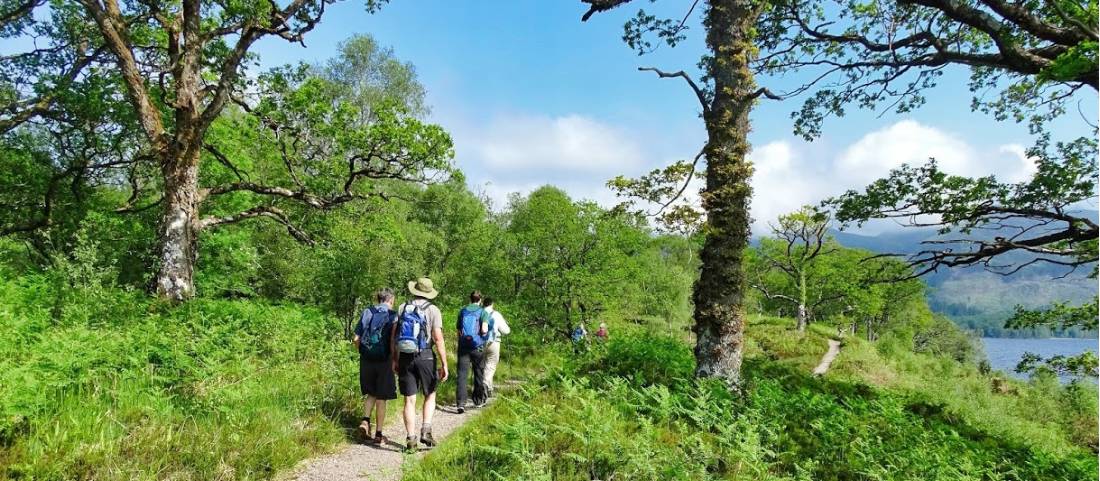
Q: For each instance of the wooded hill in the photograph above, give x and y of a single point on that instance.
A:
(979, 300)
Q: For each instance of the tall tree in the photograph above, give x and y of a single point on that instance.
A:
(1029, 61)
(178, 65)
(801, 239)
(726, 98)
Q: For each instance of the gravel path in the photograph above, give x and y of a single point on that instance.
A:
(827, 359)
(386, 462)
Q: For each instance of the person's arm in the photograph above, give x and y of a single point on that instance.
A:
(358, 331)
(441, 350)
(502, 325)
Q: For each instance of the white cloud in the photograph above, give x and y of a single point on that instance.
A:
(781, 183)
(572, 143)
(787, 178)
(1019, 167)
(502, 154)
(519, 153)
(905, 142)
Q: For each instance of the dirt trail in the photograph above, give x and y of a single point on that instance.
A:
(382, 463)
(827, 359)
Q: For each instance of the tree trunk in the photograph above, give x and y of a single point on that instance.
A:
(719, 292)
(802, 314)
(179, 226)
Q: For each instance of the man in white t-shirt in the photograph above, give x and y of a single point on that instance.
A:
(492, 349)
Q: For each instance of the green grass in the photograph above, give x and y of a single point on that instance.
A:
(105, 384)
(114, 387)
(99, 383)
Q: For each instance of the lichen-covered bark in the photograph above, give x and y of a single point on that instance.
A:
(803, 315)
(179, 228)
(719, 315)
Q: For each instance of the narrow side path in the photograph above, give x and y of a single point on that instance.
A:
(827, 359)
(383, 463)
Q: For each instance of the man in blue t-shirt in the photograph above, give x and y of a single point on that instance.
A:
(373, 336)
(471, 352)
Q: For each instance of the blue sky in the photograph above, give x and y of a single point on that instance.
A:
(532, 96)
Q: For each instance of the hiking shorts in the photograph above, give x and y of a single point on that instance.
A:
(376, 379)
(416, 372)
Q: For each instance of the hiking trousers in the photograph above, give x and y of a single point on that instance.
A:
(473, 360)
(492, 358)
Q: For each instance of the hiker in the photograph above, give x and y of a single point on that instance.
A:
(601, 333)
(419, 330)
(492, 351)
(474, 325)
(579, 336)
(373, 336)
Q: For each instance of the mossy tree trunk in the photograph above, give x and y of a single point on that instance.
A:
(719, 292)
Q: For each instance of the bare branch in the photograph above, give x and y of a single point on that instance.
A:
(699, 93)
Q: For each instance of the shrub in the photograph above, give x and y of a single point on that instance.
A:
(645, 359)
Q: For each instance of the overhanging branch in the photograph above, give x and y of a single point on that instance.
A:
(264, 211)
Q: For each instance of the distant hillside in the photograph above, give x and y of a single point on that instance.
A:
(977, 299)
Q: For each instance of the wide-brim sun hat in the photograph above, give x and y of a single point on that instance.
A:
(423, 287)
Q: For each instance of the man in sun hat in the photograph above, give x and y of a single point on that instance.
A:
(419, 330)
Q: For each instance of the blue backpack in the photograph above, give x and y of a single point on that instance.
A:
(578, 334)
(373, 339)
(470, 324)
(412, 328)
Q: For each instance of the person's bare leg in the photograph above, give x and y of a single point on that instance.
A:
(379, 414)
(365, 425)
(410, 415)
(368, 404)
(426, 437)
(429, 408)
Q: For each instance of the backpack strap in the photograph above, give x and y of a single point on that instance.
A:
(374, 311)
(424, 323)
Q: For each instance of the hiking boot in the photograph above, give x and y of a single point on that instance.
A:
(479, 405)
(410, 445)
(379, 439)
(427, 439)
(460, 409)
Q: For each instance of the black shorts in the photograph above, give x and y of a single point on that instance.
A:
(416, 372)
(376, 379)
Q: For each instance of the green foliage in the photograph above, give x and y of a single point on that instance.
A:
(1034, 218)
(1083, 366)
(600, 425)
(839, 286)
(644, 359)
(1059, 316)
(664, 188)
(855, 61)
(113, 387)
(567, 253)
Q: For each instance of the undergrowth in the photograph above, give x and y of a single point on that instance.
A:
(630, 410)
(107, 385)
